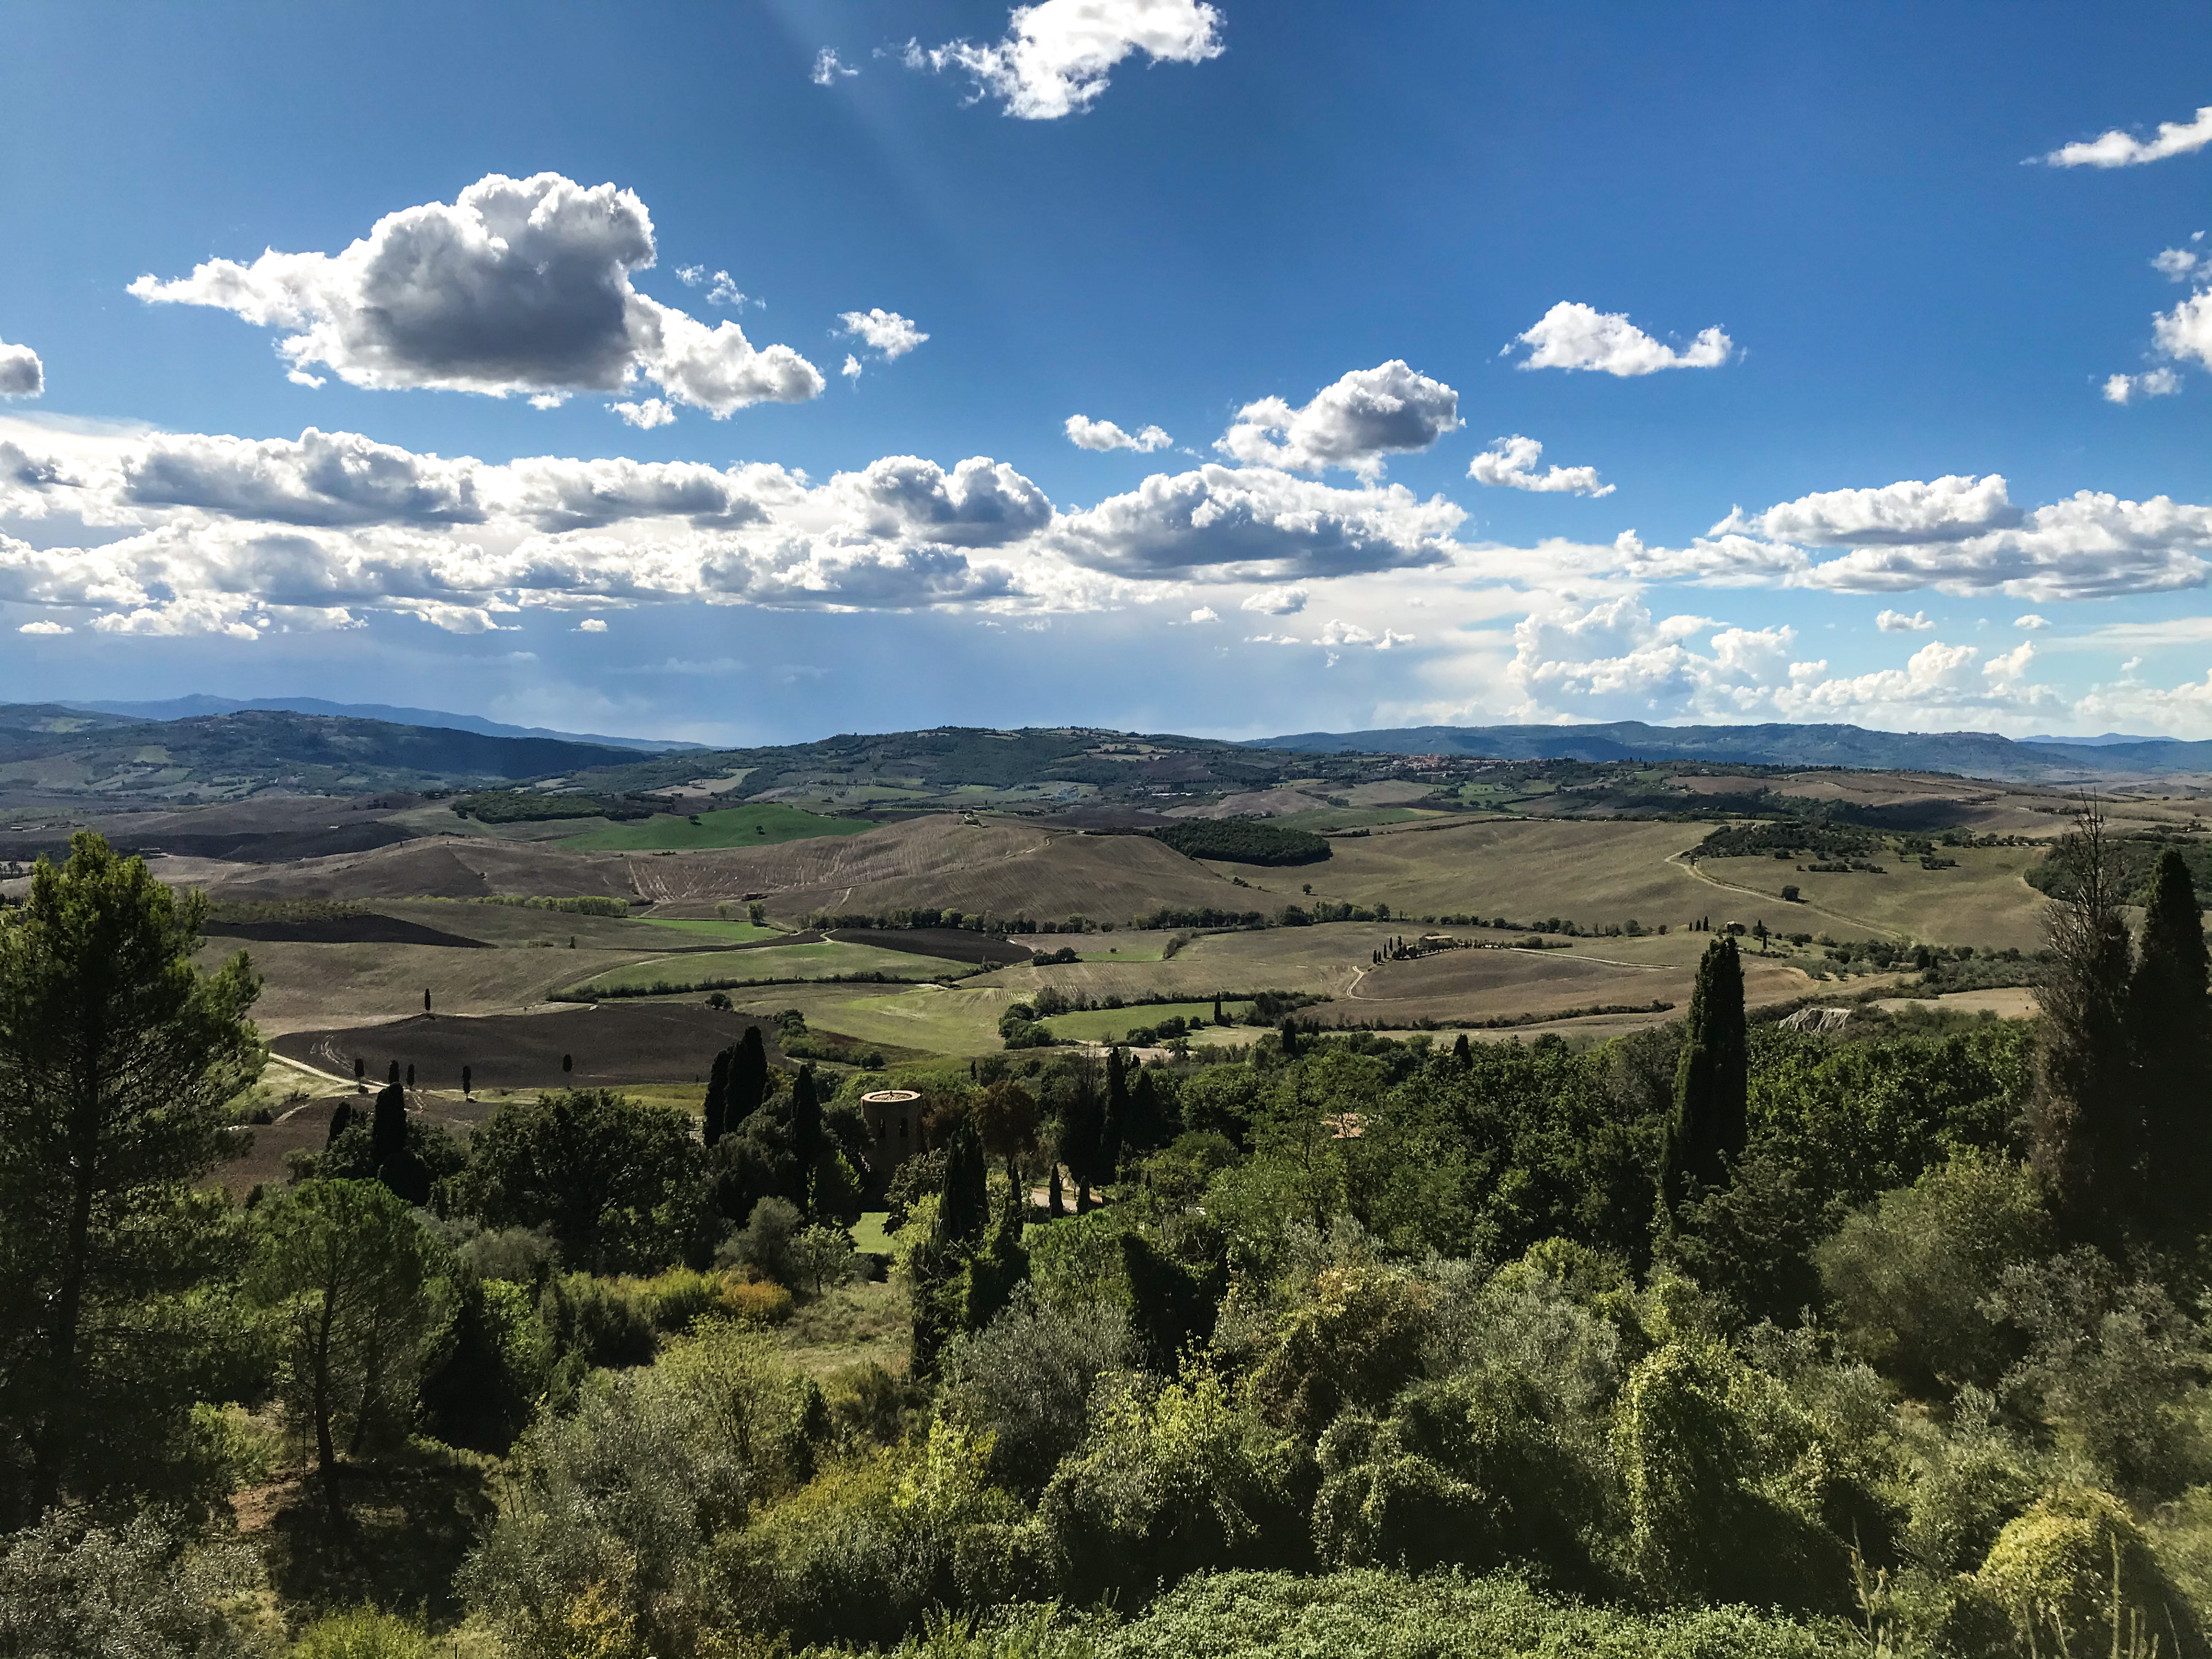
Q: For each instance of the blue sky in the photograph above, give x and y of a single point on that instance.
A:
(1868, 364)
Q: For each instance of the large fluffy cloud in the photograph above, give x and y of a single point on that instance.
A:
(519, 285)
(204, 532)
(1957, 535)
(1616, 660)
(21, 373)
(1574, 336)
(1253, 523)
(1512, 462)
(1367, 416)
(1057, 55)
(2116, 149)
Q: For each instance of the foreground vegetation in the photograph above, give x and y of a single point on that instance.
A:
(1720, 1338)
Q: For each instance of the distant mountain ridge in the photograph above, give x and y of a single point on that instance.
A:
(198, 704)
(1975, 754)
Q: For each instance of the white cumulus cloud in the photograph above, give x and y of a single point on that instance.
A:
(1276, 601)
(2031, 620)
(1575, 335)
(653, 411)
(1367, 416)
(1056, 56)
(1897, 621)
(519, 285)
(1205, 613)
(828, 70)
(45, 628)
(21, 373)
(2157, 383)
(1512, 463)
(1086, 434)
(2116, 149)
(883, 331)
(591, 625)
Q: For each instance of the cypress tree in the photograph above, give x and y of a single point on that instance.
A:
(2172, 1041)
(718, 1091)
(1463, 1053)
(805, 1134)
(1706, 1131)
(748, 1081)
(341, 1121)
(1289, 1037)
(1114, 1132)
(467, 1076)
(2086, 1118)
(964, 1209)
(387, 1132)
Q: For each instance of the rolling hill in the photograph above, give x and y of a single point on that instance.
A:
(1977, 754)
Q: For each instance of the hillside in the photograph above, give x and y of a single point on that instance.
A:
(51, 751)
(176, 709)
(1977, 754)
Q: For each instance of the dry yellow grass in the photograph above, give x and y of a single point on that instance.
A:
(1591, 873)
(1983, 901)
(305, 987)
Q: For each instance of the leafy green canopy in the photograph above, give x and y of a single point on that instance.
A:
(1242, 841)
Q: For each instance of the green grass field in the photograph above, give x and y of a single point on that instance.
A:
(767, 825)
(1104, 1025)
(937, 1020)
(728, 933)
(774, 962)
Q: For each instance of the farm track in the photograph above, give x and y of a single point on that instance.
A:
(1690, 868)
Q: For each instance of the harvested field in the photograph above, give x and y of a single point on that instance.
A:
(1324, 960)
(1593, 873)
(367, 928)
(823, 960)
(327, 985)
(1983, 901)
(613, 1046)
(1505, 984)
(950, 943)
(765, 824)
(441, 867)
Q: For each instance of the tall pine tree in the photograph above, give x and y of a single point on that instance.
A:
(2172, 1040)
(1706, 1131)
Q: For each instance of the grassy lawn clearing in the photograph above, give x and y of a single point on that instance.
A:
(767, 825)
(946, 1021)
(728, 932)
(1104, 1025)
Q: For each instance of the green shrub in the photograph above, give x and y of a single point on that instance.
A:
(2053, 1570)
(1172, 1479)
(610, 1511)
(1464, 1471)
(1911, 1274)
(1025, 1379)
(1355, 1340)
(141, 1591)
(1387, 1616)
(362, 1633)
